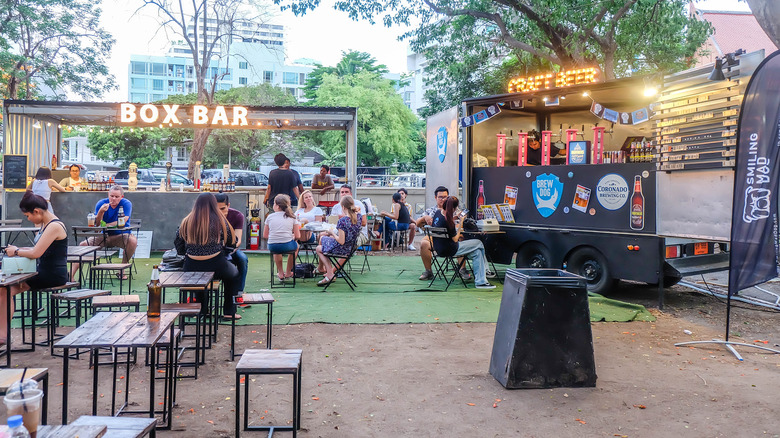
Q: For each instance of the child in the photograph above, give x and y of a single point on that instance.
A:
(282, 230)
(43, 184)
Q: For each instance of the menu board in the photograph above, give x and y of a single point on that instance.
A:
(15, 171)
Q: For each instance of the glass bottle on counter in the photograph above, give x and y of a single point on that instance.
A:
(480, 199)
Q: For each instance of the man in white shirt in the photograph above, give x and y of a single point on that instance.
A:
(346, 190)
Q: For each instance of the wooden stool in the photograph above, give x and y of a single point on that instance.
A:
(189, 310)
(121, 426)
(34, 297)
(172, 353)
(275, 282)
(77, 298)
(261, 298)
(10, 376)
(113, 303)
(210, 302)
(268, 362)
(100, 271)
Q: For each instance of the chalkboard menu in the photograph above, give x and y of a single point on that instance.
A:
(15, 171)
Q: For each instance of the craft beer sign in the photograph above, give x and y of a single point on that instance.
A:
(171, 115)
(549, 81)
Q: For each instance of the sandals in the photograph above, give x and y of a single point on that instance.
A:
(289, 276)
(233, 317)
(323, 282)
(281, 276)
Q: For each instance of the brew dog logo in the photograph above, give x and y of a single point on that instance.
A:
(757, 204)
(547, 190)
(612, 191)
(441, 143)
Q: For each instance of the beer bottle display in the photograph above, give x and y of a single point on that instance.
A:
(637, 205)
(480, 199)
(154, 299)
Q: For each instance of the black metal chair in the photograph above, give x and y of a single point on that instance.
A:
(340, 262)
(446, 262)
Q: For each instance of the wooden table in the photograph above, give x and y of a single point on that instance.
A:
(7, 282)
(10, 376)
(122, 330)
(71, 431)
(81, 252)
(14, 232)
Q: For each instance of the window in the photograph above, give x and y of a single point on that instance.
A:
(242, 81)
(268, 76)
(290, 78)
(158, 85)
(290, 91)
(138, 68)
(158, 69)
(157, 97)
(137, 97)
(243, 65)
(302, 79)
(138, 83)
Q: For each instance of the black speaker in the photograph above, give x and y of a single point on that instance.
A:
(543, 337)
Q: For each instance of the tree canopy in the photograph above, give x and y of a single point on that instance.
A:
(58, 43)
(144, 147)
(351, 62)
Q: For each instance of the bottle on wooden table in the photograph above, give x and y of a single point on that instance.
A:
(154, 299)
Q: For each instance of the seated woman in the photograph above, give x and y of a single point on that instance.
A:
(282, 231)
(308, 212)
(400, 214)
(202, 237)
(51, 250)
(472, 248)
(342, 243)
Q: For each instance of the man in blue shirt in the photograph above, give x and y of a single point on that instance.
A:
(107, 210)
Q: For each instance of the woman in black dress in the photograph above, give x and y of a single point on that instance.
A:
(51, 250)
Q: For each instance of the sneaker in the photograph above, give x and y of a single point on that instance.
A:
(426, 275)
(490, 274)
(244, 305)
(464, 274)
(411, 247)
(485, 286)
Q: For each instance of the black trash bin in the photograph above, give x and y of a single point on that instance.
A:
(543, 337)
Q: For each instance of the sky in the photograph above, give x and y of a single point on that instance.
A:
(322, 35)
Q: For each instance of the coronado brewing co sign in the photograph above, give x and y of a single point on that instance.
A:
(754, 245)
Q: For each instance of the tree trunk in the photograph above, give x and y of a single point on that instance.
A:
(198, 146)
(609, 65)
(13, 86)
(767, 13)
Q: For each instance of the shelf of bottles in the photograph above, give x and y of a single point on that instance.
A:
(100, 184)
(696, 121)
(219, 185)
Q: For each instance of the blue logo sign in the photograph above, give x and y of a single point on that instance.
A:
(547, 190)
(441, 143)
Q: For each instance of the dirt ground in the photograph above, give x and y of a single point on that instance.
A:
(433, 380)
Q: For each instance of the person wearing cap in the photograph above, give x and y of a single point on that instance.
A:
(281, 181)
(534, 156)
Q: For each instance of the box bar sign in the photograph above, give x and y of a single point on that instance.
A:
(549, 81)
(168, 114)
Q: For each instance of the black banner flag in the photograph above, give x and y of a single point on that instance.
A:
(754, 222)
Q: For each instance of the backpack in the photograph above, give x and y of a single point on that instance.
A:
(304, 270)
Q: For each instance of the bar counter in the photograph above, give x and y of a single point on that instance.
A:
(160, 212)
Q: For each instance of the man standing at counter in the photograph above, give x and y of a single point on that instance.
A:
(535, 149)
(107, 210)
(73, 182)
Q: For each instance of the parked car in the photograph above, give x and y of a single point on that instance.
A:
(152, 178)
(241, 177)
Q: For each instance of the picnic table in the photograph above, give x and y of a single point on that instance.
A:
(122, 330)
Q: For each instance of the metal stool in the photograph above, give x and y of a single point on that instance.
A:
(279, 283)
(261, 298)
(189, 310)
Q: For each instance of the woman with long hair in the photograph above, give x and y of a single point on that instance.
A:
(51, 250)
(343, 242)
(308, 212)
(282, 230)
(202, 237)
(43, 184)
(452, 246)
(400, 214)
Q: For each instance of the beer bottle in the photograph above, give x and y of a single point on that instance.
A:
(154, 299)
(480, 199)
(637, 205)
(120, 221)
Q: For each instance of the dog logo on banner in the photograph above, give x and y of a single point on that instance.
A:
(757, 204)
(547, 190)
(441, 143)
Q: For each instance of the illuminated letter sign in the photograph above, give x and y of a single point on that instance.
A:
(128, 112)
(149, 113)
(201, 114)
(170, 114)
(557, 80)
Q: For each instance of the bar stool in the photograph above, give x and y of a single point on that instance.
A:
(277, 282)
(188, 310)
(99, 273)
(78, 299)
(261, 298)
(268, 362)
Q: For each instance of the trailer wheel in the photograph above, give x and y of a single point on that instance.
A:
(591, 264)
(533, 255)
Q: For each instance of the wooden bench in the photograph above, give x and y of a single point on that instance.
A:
(260, 298)
(9, 376)
(121, 427)
(255, 362)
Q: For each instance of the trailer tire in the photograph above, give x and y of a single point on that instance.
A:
(533, 255)
(591, 264)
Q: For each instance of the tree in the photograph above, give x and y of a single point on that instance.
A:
(351, 62)
(767, 13)
(207, 28)
(56, 42)
(145, 147)
(383, 119)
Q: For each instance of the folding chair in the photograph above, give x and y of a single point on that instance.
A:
(447, 262)
(341, 262)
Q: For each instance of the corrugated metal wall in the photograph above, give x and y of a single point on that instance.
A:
(38, 143)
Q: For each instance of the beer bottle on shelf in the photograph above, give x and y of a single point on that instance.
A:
(154, 299)
(480, 199)
(637, 205)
